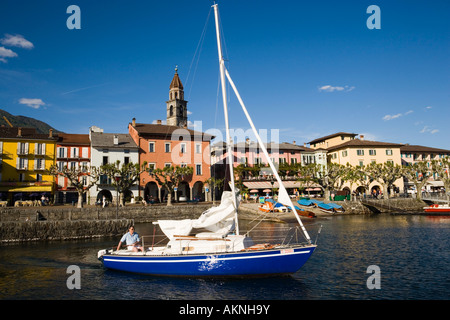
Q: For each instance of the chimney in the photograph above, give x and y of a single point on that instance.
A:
(133, 122)
(247, 141)
(293, 142)
(158, 122)
(361, 137)
(50, 133)
(304, 144)
(19, 132)
(116, 139)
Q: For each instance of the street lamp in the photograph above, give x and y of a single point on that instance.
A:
(117, 177)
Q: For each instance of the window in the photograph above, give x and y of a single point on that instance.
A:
(344, 153)
(151, 147)
(126, 160)
(39, 164)
(360, 152)
(334, 155)
(73, 164)
(38, 177)
(198, 148)
(61, 152)
(198, 169)
(21, 177)
(84, 166)
(105, 160)
(22, 148)
(182, 147)
(389, 152)
(372, 152)
(151, 167)
(183, 165)
(22, 163)
(293, 160)
(167, 147)
(167, 164)
(390, 161)
(126, 150)
(60, 165)
(39, 149)
(74, 152)
(361, 163)
(85, 152)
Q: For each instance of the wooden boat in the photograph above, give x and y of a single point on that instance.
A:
(266, 207)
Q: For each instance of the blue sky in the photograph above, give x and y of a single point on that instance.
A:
(306, 68)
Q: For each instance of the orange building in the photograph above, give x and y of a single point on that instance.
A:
(173, 145)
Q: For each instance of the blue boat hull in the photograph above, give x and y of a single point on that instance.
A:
(238, 264)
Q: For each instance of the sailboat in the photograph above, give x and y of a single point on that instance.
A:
(212, 245)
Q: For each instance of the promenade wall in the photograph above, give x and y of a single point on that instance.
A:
(64, 223)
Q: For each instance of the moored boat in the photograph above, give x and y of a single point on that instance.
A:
(212, 245)
(337, 208)
(438, 209)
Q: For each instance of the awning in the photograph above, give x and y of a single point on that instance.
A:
(30, 189)
(437, 183)
(268, 185)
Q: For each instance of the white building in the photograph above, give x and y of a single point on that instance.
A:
(110, 148)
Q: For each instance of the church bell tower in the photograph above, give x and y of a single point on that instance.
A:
(176, 105)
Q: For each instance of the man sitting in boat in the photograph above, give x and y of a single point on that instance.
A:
(132, 241)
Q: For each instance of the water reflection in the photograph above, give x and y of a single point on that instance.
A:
(411, 251)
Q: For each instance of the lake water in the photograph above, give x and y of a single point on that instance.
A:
(412, 253)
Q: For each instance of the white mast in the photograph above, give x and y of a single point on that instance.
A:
(225, 106)
(283, 196)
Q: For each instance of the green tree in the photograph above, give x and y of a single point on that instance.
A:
(122, 177)
(385, 173)
(213, 184)
(329, 177)
(441, 168)
(418, 173)
(76, 178)
(170, 177)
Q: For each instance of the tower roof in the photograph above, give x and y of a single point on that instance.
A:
(176, 82)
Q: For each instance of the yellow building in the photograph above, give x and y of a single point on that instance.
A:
(343, 148)
(25, 158)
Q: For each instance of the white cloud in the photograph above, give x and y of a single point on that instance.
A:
(32, 103)
(395, 116)
(329, 88)
(428, 129)
(16, 41)
(390, 117)
(428, 107)
(189, 113)
(6, 53)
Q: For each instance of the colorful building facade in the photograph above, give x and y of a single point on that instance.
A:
(26, 157)
(72, 151)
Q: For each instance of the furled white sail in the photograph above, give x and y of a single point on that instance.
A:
(219, 220)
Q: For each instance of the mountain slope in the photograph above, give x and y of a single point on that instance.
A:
(26, 122)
